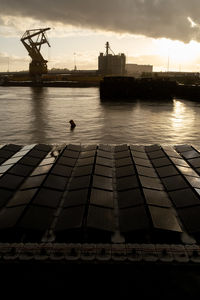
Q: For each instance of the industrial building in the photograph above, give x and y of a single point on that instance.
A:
(137, 70)
(174, 74)
(111, 64)
(180, 77)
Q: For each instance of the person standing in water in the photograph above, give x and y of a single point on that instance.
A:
(73, 125)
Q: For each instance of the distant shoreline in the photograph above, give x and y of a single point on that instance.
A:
(50, 84)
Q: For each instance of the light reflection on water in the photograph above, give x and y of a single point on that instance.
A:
(41, 115)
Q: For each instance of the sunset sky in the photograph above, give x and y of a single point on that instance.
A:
(163, 33)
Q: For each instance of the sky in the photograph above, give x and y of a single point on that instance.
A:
(162, 33)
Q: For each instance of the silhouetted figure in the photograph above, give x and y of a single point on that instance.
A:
(73, 125)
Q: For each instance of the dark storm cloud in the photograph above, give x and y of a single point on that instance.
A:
(152, 18)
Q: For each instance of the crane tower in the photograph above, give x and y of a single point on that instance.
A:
(33, 40)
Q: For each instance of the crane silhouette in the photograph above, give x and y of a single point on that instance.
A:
(33, 40)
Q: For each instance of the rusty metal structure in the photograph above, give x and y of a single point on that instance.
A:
(33, 40)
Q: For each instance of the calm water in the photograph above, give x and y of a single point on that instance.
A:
(41, 115)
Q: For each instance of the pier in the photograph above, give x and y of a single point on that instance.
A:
(130, 88)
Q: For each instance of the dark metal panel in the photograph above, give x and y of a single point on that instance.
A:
(102, 198)
(158, 198)
(101, 218)
(133, 219)
(130, 198)
(164, 218)
(185, 197)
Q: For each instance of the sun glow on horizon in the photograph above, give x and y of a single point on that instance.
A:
(177, 51)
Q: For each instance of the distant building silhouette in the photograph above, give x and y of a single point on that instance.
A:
(137, 70)
(175, 74)
(111, 64)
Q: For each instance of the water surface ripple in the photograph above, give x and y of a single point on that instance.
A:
(41, 115)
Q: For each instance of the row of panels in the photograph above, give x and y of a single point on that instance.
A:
(93, 192)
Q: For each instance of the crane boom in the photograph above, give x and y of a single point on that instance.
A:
(33, 40)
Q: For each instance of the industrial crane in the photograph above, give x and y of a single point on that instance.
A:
(33, 40)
